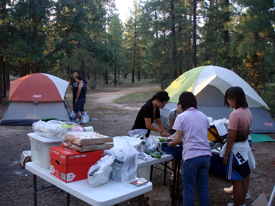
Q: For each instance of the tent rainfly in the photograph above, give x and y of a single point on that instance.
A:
(34, 97)
(208, 84)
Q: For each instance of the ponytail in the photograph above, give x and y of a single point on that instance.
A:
(162, 96)
(152, 99)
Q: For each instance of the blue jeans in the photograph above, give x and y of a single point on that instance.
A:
(195, 171)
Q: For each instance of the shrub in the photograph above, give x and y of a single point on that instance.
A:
(268, 96)
(92, 83)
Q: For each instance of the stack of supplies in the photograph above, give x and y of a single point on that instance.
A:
(87, 141)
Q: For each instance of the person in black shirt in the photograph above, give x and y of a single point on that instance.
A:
(150, 112)
(74, 84)
(80, 98)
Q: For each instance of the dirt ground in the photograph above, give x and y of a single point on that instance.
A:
(112, 120)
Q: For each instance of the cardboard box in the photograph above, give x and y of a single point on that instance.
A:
(71, 166)
(260, 201)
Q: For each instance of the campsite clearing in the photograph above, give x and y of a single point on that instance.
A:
(113, 120)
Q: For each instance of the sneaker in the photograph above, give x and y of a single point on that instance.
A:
(228, 190)
(247, 196)
(78, 121)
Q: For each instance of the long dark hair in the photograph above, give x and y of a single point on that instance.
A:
(238, 94)
(162, 96)
(187, 100)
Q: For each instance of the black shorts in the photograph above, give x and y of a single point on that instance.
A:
(79, 105)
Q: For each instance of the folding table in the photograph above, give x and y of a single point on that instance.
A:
(108, 194)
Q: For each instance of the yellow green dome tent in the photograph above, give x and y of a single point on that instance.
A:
(208, 84)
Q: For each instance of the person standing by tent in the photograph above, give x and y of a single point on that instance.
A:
(191, 128)
(236, 152)
(74, 84)
(80, 98)
(229, 190)
(172, 117)
(150, 112)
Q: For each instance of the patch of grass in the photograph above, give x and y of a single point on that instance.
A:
(140, 97)
(103, 107)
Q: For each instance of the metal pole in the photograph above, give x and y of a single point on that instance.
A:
(140, 200)
(271, 197)
(34, 191)
(68, 199)
(165, 168)
(151, 173)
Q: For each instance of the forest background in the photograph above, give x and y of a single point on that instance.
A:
(160, 40)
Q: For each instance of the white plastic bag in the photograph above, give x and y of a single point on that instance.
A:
(125, 164)
(72, 115)
(52, 129)
(99, 173)
(138, 133)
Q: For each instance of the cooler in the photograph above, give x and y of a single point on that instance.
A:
(40, 149)
(216, 164)
(71, 166)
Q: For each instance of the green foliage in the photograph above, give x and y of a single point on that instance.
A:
(92, 83)
(46, 32)
(268, 96)
(58, 36)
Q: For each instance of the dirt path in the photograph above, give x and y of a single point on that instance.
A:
(109, 97)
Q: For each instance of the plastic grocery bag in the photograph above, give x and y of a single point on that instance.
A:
(99, 173)
(125, 163)
(52, 129)
(138, 133)
(153, 147)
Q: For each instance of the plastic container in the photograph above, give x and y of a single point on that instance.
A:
(119, 142)
(88, 129)
(40, 149)
(85, 118)
(144, 172)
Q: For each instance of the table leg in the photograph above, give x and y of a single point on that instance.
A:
(174, 182)
(178, 175)
(140, 200)
(68, 199)
(34, 191)
(151, 172)
(165, 168)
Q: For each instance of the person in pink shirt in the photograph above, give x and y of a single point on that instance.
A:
(191, 129)
(236, 152)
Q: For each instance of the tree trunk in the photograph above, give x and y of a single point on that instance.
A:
(1, 75)
(133, 75)
(194, 33)
(115, 75)
(4, 80)
(82, 69)
(8, 81)
(173, 30)
(106, 77)
(227, 17)
(68, 71)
